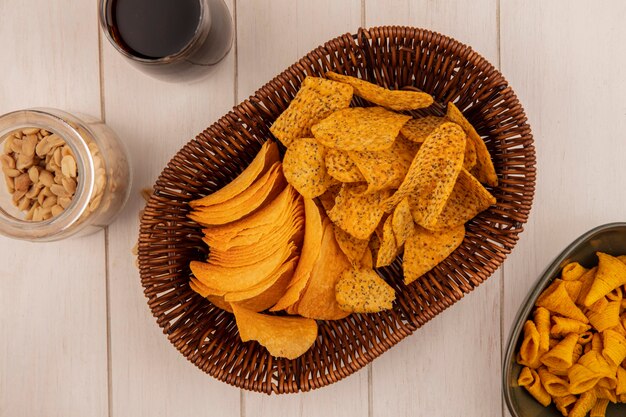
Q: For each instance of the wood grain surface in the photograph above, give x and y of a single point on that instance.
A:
(77, 336)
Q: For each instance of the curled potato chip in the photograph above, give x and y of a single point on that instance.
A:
(261, 287)
(353, 248)
(223, 279)
(391, 99)
(311, 247)
(388, 250)
(360, 129)
(318, 299)
(267, 156)
(305, 168)
(357, 213)
(432, 175)
(316, 99)
(483, 170)
(611, 274)
(341, 167)
(468, 198)
(402, 222)
(363, 291)
(417, 130)
(424, 250)
(261, 191)
(284, 337)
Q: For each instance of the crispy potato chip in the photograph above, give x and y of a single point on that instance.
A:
(384, 169)
(252, 292)
(432, 175)
(353, 248)
(267, 156)
(313, 233)
(363, 291)
(305, 168)
(483, 170)
(360, 129)
(341, 167)
(219, 302)
(405, 150)
(316, 100)
(253, 228)
(261, 191)
(468, 198)
(284, 337)
(402, 222)
(358, 214)
(611, 274)
(424, 249)
(388, 250)
(391, 99)
(223, 279)
(417, 130)
(318, 300)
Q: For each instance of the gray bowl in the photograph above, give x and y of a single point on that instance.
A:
(609, 238)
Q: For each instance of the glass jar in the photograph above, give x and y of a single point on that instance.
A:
(102, 183)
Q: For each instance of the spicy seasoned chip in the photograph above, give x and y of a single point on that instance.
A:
(305, 168)
(417, 130)
(358, 213)
(285, 337)
(391, 99)
(353, 248)
(327, 200)
(384, 169)
(402, 222)
(313, 233)
(360, 129)
(483, 170)
(432, 174)
(468, 198)
(267, 156)
(316, 99)
(261, 191)
(388, 250)
(424, 250)
(318, 300)
(363, 291)
(341, 167)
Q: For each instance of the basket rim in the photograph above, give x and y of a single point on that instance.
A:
(365, 34)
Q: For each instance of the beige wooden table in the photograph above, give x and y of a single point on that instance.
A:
(76, 335)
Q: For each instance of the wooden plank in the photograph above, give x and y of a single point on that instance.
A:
(272, 36)
(155, 119)
(53, 352)
(569, 82)
(451, 366)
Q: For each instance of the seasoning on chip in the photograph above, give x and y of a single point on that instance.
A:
(262, 190)
(267, 156)
(327, 200)
(424, 249)
(391, 99)
(341, 167)
(305, 168)
(417, 130)
(318, 300)
(354, 249)
(432, 174)
(358, 213)
(388, 250)
(402, 222)
(283, 337)
(483, 170)
(363, 291)
(313, 234)
(360, 129)
(468, 198)
(316, 100)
